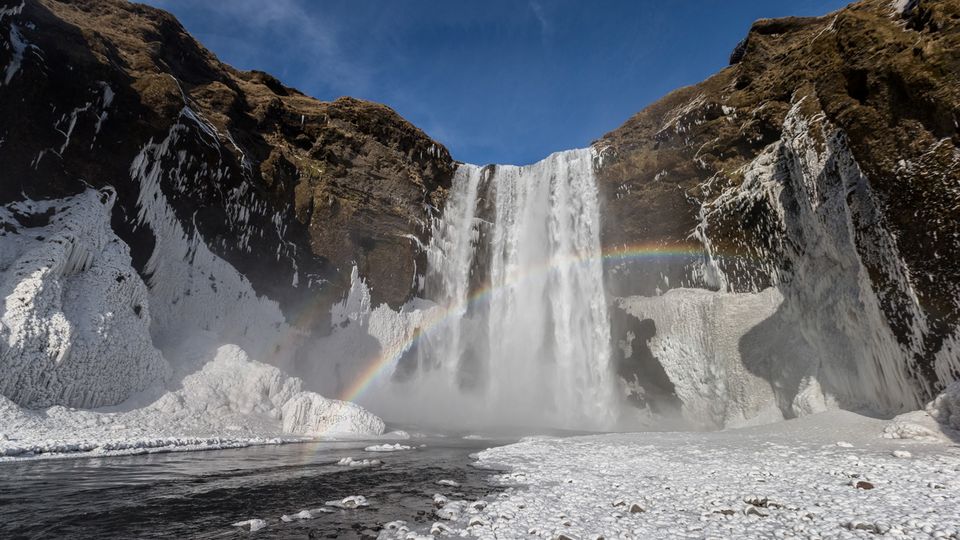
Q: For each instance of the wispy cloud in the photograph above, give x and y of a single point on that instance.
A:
(545, 26)
(254, 34)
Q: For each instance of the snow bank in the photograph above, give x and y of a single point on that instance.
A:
(311, 414)
(74, 326)
(781, 480)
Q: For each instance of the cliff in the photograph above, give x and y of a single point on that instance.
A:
(823, 162)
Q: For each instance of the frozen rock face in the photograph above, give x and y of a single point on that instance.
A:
(822, 165)
(75, 315)
(697, 343)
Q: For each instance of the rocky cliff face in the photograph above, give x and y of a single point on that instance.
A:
(169, 226)
(825, 163)
(290, 190)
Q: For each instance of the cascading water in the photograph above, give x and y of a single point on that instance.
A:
(515, 261)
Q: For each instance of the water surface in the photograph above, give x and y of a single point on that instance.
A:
(200, 494)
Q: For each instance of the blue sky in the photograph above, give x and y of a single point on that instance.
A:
(496, 81)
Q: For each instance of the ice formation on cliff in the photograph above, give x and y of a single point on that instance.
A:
(75, 320)
(190, 353)
(819, 338)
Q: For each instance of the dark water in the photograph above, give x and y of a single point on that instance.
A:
(200, 494)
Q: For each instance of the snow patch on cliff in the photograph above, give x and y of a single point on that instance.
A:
(190, 285)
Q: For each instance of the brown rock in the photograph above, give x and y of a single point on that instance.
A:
(278, 183)
(891, 84)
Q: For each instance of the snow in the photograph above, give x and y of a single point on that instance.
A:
(946, 407)
(72, 304)
(779, 480)
(16, 45)
(903, 7)
(350, 462)
(313, 414)
(254, 525)
(387, 448)
(303, 514)
(349, 503)
(12, 10)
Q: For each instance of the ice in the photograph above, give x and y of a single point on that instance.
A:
(73, 304)
(350, 462)
(451, 511)
(387, 448)
(351, 502)
(946, 407)
(448, 482)
(17, 46)
(917, 426)
(312, 414)
(303, 514)
(253, 524)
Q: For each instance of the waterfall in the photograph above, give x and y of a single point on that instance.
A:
(515, 260)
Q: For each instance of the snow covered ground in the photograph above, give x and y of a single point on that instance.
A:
(828, 475)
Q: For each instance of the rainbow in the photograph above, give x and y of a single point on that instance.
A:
(388, 358)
